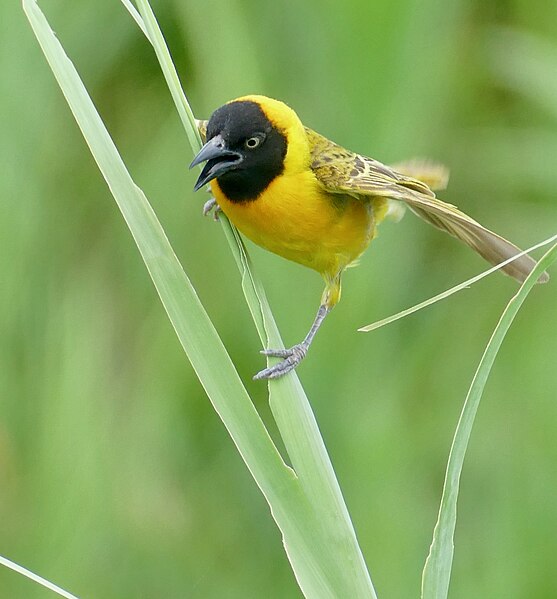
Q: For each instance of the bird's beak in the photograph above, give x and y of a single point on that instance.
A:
(219, 160)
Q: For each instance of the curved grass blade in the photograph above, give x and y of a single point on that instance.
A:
(154, 35)
(436, 298)
(437, 570)
(136, 17)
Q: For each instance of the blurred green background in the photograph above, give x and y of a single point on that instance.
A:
(117, 479)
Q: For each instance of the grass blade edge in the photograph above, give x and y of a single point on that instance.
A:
(437, 569)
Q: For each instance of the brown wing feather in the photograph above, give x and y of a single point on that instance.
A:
(342, 171)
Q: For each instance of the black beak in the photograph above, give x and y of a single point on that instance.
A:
(219, 160)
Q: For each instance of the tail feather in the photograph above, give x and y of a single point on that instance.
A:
(433, 174)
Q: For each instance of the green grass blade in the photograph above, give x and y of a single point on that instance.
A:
(320, 565)
(437, 570)
(436, 298)
(288, 401)
(154, 35)
(35, 578)
(136, 17)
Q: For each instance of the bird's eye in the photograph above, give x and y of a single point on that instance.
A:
(253, 142)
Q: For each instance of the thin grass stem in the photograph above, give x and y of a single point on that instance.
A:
(4, 561)
(465, 285)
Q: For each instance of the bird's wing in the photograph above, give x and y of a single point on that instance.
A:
(342, 171)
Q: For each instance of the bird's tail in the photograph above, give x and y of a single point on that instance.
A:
(433, 174)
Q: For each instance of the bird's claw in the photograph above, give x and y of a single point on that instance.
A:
(211, 205)
(290, 359)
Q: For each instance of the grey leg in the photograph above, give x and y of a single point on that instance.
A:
(293, 356)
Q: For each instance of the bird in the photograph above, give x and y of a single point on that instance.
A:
(297, 194)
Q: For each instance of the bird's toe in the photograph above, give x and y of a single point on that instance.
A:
(290, 359)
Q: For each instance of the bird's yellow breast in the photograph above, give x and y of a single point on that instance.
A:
(297, 219)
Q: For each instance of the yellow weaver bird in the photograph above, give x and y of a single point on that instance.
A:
(303, 197)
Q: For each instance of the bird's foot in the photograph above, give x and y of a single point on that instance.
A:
(290, 359)
(211, 205)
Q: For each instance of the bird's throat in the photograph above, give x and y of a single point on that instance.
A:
(247, 185)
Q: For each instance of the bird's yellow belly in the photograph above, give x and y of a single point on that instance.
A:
(295, 218)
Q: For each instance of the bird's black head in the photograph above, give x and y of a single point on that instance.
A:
(244, 151)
